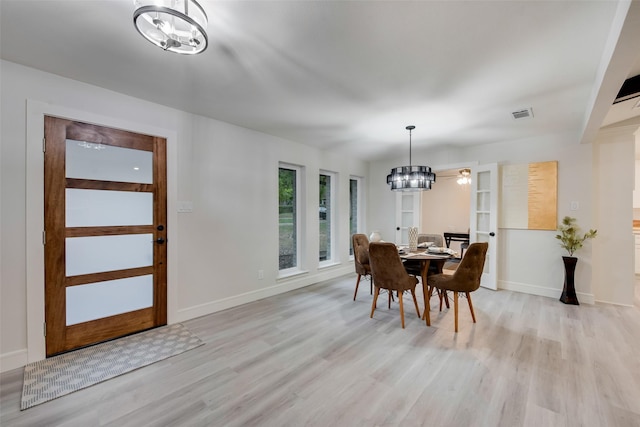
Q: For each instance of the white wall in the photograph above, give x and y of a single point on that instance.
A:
(613, 183)
(599, 176)
(228, 172)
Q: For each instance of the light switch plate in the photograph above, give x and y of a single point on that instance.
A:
(185, 207)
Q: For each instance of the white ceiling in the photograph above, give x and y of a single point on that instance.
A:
(352, 74)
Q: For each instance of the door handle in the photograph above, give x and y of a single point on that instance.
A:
(160, 241)
(492, 234)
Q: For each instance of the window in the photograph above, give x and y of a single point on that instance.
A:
(289, 217)
(354, 209)
(326, 213)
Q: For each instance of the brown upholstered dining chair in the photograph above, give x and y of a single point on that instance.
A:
(360, 243)
(465, 279)
(388, 273)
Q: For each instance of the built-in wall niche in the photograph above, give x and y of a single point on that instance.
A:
(529, 196)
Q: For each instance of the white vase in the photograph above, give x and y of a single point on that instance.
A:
(413, 239)
(375, 236)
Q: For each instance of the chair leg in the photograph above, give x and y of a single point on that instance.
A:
(440, 296)
(375, 299)
(455, 308)
(415, 301)
(401, 308)
(473, 315)
(370, 285)
(357, 284)
(427, 305)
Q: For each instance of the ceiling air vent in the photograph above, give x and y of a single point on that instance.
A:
(527, 113)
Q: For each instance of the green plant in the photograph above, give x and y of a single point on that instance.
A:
(570, 236)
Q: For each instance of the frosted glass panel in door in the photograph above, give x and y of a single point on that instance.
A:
(97, 300)
(86, 208)
(487, 263)
(107, 163)
(484, 201)
(483, 222)
(407, 202)
(106, 253)
(484, 181)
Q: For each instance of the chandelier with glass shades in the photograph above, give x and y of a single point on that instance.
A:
(411, 178)
(464, 177)
(174, 25)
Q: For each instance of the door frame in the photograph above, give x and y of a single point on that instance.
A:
(36, 110)
(488, 280)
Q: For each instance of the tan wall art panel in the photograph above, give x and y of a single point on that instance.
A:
(529, 196)
(543, 196)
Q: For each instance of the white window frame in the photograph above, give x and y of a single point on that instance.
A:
(297, 268)
(331, 213)
(359, 216)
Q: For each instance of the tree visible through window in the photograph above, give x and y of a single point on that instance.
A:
(288, 218)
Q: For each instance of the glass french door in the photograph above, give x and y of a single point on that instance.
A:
(105, 233)
(407, 214)
(484, 218)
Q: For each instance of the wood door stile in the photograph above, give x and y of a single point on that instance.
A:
(160, 215)
(61, 337)
(54, 225)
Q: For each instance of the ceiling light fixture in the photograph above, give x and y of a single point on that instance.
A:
(411, 178)
(174, 25)
(464, 177)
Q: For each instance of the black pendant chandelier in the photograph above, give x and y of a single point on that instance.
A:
(411, 178)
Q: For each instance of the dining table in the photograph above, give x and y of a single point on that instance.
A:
(426, 258)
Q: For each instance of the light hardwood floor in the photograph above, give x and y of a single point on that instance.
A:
(314, 357)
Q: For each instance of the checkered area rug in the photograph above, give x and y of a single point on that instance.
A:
(60, 375)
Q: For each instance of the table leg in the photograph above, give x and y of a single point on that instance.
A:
(425, 292)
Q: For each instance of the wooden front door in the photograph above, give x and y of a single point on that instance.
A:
(105, 233)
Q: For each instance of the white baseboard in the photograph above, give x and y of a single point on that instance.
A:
(543, 291)
(13, 360)
(614, 303)
(282, 286)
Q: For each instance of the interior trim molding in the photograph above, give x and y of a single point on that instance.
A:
(35, 112)
(13, 360)
(542, 291)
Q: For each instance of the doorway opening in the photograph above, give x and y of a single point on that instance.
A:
(446, 208)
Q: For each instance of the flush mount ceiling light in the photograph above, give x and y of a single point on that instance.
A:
(173, 25)
(411, 178)
(464, 177)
